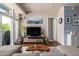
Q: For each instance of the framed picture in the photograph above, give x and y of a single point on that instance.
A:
(68, 20)
(35, 21)
(76, 22)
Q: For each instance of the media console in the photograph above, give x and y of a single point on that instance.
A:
(34, 39)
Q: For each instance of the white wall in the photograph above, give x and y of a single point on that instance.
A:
(44, 26)
(55, 29)
(60, 27)
(45, 17)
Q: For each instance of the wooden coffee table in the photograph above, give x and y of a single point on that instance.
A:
(38, 47)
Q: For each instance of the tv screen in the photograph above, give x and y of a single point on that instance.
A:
(33, 31)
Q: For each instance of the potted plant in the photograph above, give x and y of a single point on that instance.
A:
(46, 41)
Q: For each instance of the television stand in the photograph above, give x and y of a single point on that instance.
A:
(34, 39)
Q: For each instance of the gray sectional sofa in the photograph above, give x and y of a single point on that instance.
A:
(12, 50)
(69, 50)
(9, 50)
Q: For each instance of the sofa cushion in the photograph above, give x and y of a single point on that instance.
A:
(9, 50)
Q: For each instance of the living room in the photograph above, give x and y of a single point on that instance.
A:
(39, 29)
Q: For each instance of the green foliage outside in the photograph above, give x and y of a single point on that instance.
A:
(5, 27)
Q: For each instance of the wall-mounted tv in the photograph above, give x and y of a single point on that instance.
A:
(33, 31)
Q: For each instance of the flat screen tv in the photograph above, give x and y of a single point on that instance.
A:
(33, 31)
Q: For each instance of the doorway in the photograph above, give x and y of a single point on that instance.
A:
(50, 28)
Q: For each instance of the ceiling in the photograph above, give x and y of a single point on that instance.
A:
(43, 8)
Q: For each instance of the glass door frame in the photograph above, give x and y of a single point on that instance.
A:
(12, 34)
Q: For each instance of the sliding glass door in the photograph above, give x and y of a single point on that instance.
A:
(6, 30)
